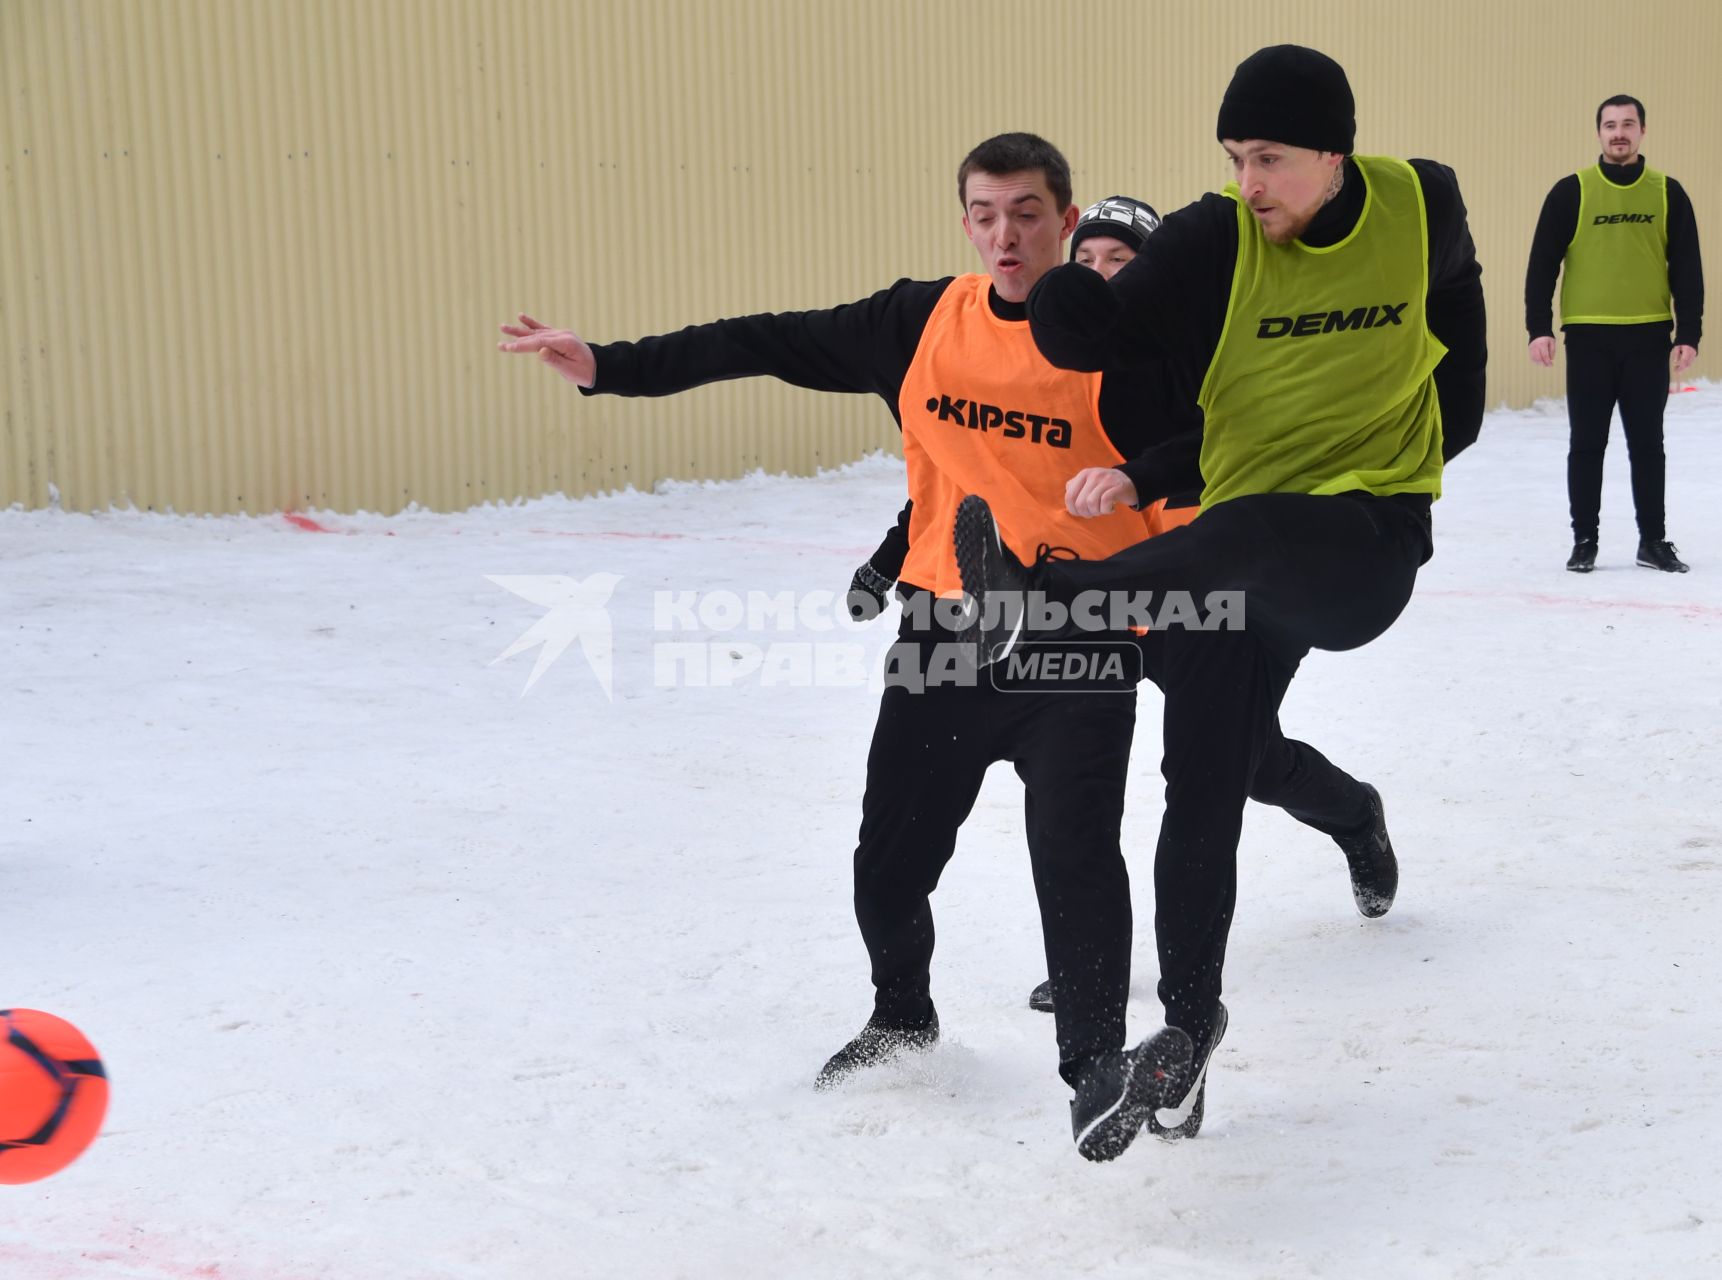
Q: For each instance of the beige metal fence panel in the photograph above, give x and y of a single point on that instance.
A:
(253, 253)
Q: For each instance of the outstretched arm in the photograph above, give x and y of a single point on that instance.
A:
(863, 346)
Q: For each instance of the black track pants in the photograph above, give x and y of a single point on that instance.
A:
(1316, 572)
(930, 751)
(1291, 775)
(1604, 370)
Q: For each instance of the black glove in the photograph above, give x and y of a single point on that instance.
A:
(867, 592)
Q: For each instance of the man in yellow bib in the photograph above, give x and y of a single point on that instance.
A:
(1331, 307)
(1629, 242)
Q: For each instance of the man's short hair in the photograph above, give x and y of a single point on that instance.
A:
(1620, 100)
(1017, 153)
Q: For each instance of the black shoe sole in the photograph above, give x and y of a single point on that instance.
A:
(976, 539)
(970, 537)
(1584, 568)
(1157, 1067)
(1647, 564)
(1184, 1118)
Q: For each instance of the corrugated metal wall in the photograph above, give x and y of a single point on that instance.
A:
(253, 253)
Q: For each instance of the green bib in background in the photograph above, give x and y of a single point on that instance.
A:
(1323, 380)
(1616, 268)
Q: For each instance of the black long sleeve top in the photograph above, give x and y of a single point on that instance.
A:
(1149, 415)
(1558, 223)
(1171, 299)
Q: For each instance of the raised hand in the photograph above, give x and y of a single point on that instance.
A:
(562, 349)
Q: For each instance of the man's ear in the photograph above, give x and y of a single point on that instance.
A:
(1071, 216)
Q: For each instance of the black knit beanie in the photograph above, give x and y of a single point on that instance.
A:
(1287, 93)
(1125, 219)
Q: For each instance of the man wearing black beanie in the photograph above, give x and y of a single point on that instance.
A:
(1331, 308)
(1111, 232)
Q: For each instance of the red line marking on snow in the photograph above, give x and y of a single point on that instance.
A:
(613, 533)
(308, 525)
(311, 526)
(304, 522)
(633, 535)
(1585, 602)
(139, 1259)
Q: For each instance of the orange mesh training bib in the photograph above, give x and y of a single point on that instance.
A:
(983, 412)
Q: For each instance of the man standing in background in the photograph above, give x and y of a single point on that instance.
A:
(1629, 241)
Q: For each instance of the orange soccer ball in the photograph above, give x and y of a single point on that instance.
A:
(53, 1094)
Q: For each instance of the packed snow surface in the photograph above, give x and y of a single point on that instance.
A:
(404, 970)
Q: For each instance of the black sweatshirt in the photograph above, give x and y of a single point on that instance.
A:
(1171, 299)
(1558, 223)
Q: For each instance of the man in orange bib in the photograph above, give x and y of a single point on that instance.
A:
(1109, 234)
(981, 411)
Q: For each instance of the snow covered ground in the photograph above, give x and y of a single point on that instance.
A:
(401, 973)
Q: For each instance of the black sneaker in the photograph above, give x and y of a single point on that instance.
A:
(1041, 997)
(1116, 1093)
(996, 582)
(1183, 1119)
(1660, 555)
(876, 1043)
(1369, 855)
(1583, 558)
